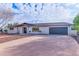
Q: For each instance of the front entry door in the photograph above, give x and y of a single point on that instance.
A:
(24, 30)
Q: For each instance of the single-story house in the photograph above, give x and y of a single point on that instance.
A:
(58, 28)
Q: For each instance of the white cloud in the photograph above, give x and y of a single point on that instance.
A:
(53, 14)
(50, 13)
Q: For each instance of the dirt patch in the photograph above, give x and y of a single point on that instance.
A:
(5, 38)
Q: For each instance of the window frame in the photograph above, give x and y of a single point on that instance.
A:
(35, 29)
(11, 28)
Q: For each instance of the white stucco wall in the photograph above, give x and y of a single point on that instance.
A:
(72, 32)
(69, 30)
(20, 30)
(14, 31)
(44, 30)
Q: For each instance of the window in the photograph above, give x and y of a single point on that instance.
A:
(35, 29)
(11, 28)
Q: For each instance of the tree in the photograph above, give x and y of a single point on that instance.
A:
(11, 25)
(5, 15)
(76, 22)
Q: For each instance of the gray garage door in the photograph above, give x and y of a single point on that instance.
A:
(58, 30)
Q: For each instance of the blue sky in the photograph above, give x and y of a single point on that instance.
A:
(43, 12)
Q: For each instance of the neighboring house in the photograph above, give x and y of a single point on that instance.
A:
(59, 28)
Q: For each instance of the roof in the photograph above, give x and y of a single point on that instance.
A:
(44, 24)
(23, 24)
(53, 24)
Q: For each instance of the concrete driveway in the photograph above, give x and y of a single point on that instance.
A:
(40, 45)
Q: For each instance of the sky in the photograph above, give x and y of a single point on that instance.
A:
(42, 12)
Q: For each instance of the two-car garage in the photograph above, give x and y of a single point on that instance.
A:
(58, 30)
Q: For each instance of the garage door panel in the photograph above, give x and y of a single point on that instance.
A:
(58, 30)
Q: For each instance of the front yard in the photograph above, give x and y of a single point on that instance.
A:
(6, 38)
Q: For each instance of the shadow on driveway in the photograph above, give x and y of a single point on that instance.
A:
(76, 38)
